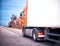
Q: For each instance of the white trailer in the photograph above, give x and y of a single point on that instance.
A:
(43, 20)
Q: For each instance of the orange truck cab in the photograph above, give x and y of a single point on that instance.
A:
(23, 16)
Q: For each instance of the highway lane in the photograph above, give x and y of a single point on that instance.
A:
(14, 37)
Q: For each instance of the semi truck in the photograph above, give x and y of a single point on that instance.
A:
(40, 19)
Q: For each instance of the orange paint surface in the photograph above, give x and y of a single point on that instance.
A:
(24, 19)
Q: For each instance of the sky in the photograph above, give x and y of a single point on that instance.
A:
(9, 7)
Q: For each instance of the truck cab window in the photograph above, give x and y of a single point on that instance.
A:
(22, 14)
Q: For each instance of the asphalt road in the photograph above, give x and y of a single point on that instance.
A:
(14, 37)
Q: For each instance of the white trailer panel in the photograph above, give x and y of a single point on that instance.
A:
(45, 13)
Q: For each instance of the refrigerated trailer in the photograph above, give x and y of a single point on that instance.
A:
(41, 20)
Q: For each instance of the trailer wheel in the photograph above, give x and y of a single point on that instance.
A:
(34, 37)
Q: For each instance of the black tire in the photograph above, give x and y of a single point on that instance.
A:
(34, 36)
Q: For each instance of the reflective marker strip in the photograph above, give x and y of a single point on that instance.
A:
(40, 35)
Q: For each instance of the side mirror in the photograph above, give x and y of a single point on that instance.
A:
(21, 14)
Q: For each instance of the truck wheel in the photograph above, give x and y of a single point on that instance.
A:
(34, 37)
